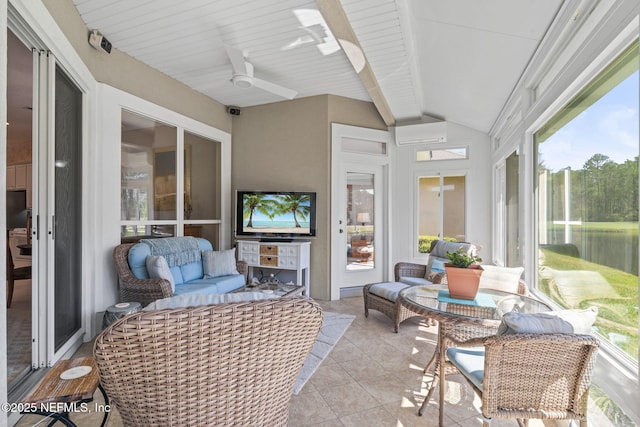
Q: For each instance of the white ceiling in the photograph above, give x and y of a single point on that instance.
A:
(457, 60)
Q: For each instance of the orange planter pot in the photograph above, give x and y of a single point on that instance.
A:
(463, 283)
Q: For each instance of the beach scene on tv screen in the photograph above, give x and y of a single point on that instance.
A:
(276, 213)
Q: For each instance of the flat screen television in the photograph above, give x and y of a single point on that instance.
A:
(276, 215)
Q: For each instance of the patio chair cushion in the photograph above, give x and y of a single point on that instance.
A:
(501, 278)
(469, 361)
(387, 290)
(219, 263)
(562, 321)
(437, 273)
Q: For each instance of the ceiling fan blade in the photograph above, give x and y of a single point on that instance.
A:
(238, 61)
(274, 88)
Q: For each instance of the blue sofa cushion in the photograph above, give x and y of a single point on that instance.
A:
(215, 285)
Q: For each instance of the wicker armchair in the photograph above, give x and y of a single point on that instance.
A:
(540, 376)
(146, 291)
(226, 364)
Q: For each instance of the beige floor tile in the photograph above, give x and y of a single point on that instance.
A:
(329, 376)
(348, 399)
(365, 368)
(376, 417)
(309, 409)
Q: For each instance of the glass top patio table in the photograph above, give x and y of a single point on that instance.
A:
(486, 310)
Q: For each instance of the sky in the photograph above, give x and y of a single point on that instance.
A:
(609, 127)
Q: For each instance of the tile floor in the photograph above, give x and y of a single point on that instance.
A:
(373, 377)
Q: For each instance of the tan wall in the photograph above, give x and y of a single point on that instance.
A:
(286, 146)
(120, 70)
(349, 111)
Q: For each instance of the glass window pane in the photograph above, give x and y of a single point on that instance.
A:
(148, 169)
(360, 217)
(442, 154)
(363, 146)
(453, 215)
(133, 233)
(440, 217)
(429, 217)
(588, 202)
(211, 232)
(202, 180)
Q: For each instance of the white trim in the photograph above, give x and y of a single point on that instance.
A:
(338, 160)
(3, 214)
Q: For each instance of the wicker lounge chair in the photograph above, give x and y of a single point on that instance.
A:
(226, 364)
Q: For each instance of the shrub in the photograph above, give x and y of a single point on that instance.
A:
(424, 242)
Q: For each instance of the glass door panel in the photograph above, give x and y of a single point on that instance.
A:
(360, 221)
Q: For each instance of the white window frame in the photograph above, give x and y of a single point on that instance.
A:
(618, 377)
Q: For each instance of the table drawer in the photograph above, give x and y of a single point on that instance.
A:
(266, 260)
(268, 250)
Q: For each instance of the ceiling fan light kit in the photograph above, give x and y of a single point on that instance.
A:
(242, 81)
(243, 75)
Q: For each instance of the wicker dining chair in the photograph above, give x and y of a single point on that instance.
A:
(225, 364)
(525, 376)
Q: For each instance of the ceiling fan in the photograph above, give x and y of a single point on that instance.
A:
(243, 75)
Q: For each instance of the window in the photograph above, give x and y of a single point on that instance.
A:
(441, 215)
(587, 203)
(442, 154)
(512, 214)
(156, 167)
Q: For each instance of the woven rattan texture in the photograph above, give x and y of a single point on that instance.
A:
(394, 310)
(538, 376)
(146, 291)
(217, 365)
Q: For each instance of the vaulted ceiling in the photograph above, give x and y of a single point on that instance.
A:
(455, 60)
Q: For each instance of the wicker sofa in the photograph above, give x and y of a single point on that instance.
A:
(136, 285)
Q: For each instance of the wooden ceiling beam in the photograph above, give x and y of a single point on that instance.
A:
(339, 24)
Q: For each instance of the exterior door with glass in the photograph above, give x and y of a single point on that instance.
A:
(359, 210)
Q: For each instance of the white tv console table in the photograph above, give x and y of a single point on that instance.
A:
(278, 255)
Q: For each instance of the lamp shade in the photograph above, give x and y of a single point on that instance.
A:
(363, 217)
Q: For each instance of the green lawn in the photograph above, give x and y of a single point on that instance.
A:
(614, 292)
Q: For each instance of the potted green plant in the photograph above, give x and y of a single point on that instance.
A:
(463, 274)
